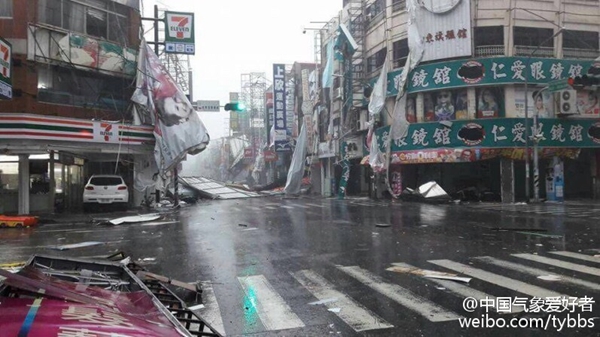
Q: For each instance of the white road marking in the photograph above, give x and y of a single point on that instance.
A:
(537, 272)
(272, 310)
(354, 314)
(460, 289)
(270, 207)
(578, 256)
(211, 313)
(426, 308)
(559, 263)
(315, 205)
(286, 206)
(496, 279)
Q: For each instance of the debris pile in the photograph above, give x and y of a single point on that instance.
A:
(52, 296)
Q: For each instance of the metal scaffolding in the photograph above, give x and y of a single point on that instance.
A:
(252, 121)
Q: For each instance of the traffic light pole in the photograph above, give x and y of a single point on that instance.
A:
(536, 171)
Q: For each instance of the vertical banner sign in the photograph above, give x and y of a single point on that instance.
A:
(5, 69)
(279, 109)
(179, 35)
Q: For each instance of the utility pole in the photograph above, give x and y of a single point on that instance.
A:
(156, 43)
(536, 171)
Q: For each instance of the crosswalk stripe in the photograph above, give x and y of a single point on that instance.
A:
(270, 207)
(354, 314)
(428, 309)
(536, 272)
(496, 279)
(559, 263)
(460, 289)
(577, 256)
(272, 310)
(211, 313)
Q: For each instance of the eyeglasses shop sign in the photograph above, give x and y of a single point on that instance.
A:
(5, 69)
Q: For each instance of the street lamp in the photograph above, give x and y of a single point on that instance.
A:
(536, 171)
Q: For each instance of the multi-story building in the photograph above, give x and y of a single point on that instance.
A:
(73, 73)
(485, 66)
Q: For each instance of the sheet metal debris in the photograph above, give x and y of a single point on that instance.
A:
(62, 290)
(77, 245)
(135, 218)
(429, 274)
(552, 278)
(212, 189)
(327, 300)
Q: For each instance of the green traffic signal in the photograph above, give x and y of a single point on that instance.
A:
(237, 106)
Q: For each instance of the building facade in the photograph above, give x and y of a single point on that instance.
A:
(485, 66)
(73, 66)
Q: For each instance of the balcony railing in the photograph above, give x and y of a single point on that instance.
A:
(586, 54)
(486, 51)
(527, 50)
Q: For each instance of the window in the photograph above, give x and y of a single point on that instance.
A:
(374, 10)
(398, 5)
(400, 53)
(68, 86)
(527, 36)
(489, 36)
(578, 39)
(97, 18)
(376, 61)
(6, 8)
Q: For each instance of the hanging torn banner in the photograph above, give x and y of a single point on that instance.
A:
(177, 127)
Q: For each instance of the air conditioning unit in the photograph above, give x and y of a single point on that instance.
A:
(567, 102)
(337, 93)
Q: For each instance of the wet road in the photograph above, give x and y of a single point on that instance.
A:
(318, 267)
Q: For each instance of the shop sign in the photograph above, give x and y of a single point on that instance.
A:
(5, 69)
(326, 150)
(466, 155)
(487, 71)
(495, 133)
(270, 156)
(280, 109)
(179, 33)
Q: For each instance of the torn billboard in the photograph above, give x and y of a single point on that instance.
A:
(177, 127)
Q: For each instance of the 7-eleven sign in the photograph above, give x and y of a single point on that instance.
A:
(180, 27)
(5, 69)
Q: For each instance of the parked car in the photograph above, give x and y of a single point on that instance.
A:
(105, 190)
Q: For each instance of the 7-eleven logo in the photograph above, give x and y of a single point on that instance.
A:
(4, 60)
(180, 26)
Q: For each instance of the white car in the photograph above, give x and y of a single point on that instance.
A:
(105, 190)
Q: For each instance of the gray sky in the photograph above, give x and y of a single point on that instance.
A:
(242, 36)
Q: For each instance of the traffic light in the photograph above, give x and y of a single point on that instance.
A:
(584, 81)
(236, 106)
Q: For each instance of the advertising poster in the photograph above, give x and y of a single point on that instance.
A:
(444, 106)
(587, 103)
(489, 102)
(541, 102)
(177, 126)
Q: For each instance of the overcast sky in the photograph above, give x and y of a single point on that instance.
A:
(235, 37)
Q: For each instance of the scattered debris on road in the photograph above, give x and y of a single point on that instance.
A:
(552, 278)
(77, 245)
(61, 288)
(131, 219)
(429, 273)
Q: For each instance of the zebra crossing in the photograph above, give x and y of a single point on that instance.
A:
(277, 311)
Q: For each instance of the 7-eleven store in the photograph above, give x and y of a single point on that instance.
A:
(46, 160)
